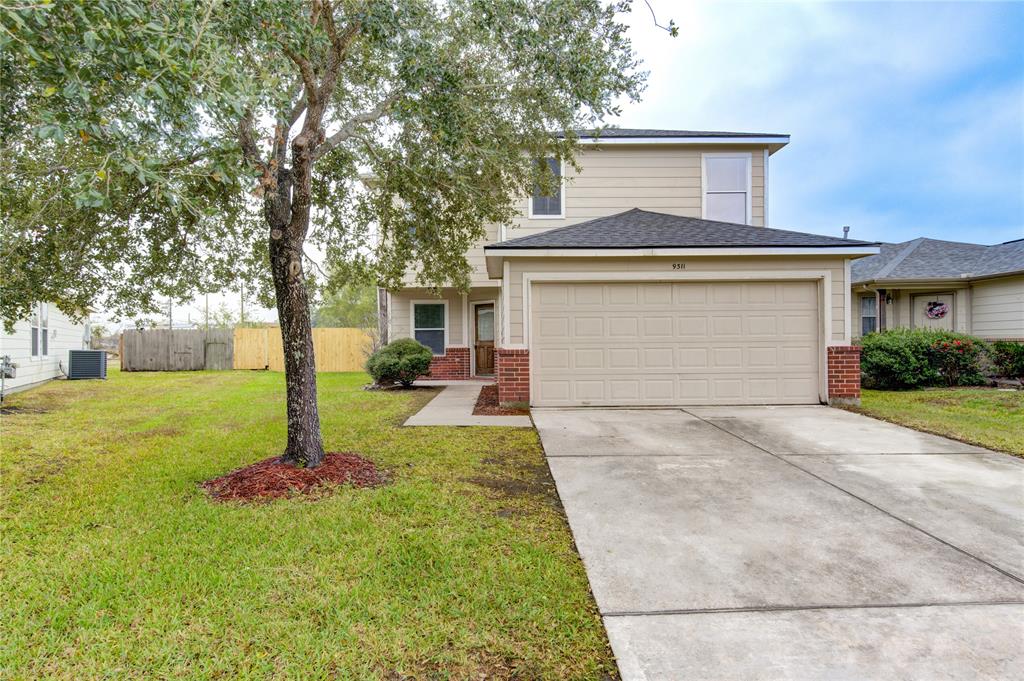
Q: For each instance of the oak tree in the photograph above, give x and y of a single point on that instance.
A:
(158, 148)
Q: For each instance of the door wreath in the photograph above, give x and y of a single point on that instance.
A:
(936, 309)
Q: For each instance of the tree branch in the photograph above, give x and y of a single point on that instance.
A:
(305, 70)
(351, 127)
(672, 29)
(247, 139)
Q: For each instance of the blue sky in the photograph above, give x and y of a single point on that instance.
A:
(907, 118)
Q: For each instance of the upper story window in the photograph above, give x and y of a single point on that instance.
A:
(549, 206)
(868, 315)
(40, 323)
(726, 180)
(429, 324)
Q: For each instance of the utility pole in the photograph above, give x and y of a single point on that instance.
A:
(241, 321)
(207, 312)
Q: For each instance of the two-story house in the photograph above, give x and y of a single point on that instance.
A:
(650, 278)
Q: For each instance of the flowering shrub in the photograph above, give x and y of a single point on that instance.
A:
(957, 359)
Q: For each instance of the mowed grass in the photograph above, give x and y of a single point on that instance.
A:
(116, 565)
(988, 418)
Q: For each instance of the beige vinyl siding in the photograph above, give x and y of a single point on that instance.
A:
(475, 258)
(835, 266)
(997, 308)
(64, 334)
(664, 179)
(613, 179)
(401, 310)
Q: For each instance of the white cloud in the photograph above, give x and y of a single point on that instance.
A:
(883, 127)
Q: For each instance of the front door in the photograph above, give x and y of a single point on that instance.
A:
(484, 339)
(933, 311)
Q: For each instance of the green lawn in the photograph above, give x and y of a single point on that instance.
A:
(114, 564)
(989, 418)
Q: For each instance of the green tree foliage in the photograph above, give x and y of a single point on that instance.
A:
(400, 361)
(354, 305)
(160, 148)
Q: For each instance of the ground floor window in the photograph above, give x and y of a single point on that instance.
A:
(428, 325)
(868, 315)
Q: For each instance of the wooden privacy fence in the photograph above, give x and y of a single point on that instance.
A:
(334, 349)
(198, 349)
(177, 350)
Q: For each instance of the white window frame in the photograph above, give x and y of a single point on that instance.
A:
(412, 320)
(40, 313)
(44, 330)
(561, 213)
(744, 155)
(860, 312)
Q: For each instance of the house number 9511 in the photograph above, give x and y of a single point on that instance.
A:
(679, 265)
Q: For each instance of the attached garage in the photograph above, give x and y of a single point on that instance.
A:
(675, 343)
(650, 309)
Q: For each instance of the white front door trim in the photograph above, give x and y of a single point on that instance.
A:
(472, 334)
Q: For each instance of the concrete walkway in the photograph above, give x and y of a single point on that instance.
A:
(454, 407)
(792, 543)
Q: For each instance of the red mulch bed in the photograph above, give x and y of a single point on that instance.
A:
(273, 479)
(487, 404)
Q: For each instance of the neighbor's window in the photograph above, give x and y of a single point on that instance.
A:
(428, 325)
(44, 327)
(868, 315)
(40, 326)
(548, 206)
(727, 187)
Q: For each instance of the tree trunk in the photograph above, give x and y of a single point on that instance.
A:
(305, 444)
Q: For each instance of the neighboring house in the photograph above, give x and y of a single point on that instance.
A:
(649, 279)
(928, 283)
(39, 346)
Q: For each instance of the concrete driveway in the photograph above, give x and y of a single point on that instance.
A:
(792, 543)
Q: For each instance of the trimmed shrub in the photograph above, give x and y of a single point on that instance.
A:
(900, 358)
(896, 360)
(400, 361)
(1008, 357)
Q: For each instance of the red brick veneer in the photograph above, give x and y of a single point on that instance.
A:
(453, 365)
(844, 374)
(513, 371)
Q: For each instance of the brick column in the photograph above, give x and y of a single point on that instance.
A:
(513, 371)
(453, 365)
(844, 374)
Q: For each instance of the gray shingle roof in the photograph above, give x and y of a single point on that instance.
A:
(644, 229)
(648, 132)
(935, 259)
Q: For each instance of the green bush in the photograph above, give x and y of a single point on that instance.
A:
(400, 361)
(896, 359)
(900, 359)
(1008, 357)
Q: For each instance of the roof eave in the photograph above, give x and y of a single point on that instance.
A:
(773, 142)
(937, 281)
(495, 255)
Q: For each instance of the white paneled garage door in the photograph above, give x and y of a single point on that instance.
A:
(674, 343)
